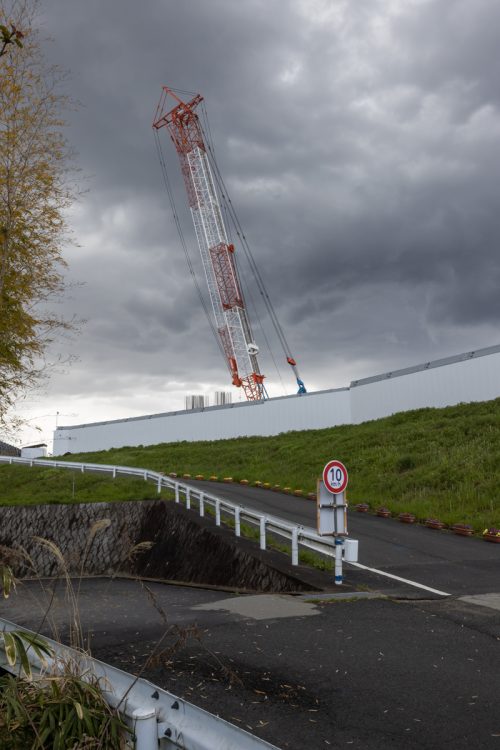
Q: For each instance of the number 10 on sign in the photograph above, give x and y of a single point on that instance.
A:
(335, 477)
(331, 501)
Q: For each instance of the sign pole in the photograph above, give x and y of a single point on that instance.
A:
(340, 505)
(338, 561)
(331, 509)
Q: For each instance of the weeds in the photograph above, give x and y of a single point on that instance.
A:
(24, 485)
(17, 643)
(61, 706)
(306, 557)
(64, 712)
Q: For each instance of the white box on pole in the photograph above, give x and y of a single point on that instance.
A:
(351, 550)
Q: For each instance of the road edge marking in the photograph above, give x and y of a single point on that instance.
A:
(398, 578)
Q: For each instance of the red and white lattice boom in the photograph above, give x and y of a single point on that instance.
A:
(217, 253)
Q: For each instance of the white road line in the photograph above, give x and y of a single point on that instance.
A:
(397, 578)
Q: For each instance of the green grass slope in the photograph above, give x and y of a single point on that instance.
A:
(443, 463)
(22, 485)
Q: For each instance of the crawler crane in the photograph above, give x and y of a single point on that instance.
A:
(204, 186)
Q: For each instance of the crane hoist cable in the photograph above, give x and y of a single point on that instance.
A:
(204, 184)
(255, 269)
(229, 224)
(182, 123)
(182, 239)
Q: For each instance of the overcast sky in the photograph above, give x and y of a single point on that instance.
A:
(360, 143)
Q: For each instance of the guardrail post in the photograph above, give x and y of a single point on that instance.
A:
(159, 485)
(262, 532)
(295, 546)
(145, 476)
(298, 535)
(145, 728)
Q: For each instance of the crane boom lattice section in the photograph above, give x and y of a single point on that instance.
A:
(216, 252)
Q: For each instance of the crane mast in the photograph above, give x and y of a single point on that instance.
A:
(217, 253)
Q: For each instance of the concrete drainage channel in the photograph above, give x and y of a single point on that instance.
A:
(186, 547)
(174, 544)
(298, 536)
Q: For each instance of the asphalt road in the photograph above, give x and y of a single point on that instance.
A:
(436, 559)
(406, 670)
(366, 673)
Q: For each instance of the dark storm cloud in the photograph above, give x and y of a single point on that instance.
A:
(359, 143)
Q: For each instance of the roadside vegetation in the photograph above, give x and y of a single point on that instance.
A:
(441, 463)
(37, 186)
(60, 704)
(22, 485)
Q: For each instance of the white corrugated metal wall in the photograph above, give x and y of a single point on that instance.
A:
(271, 417)
(470, 377)
(474, 376)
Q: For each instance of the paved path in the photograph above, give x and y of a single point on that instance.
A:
(300, 672)
(437, 559)
(318, 671)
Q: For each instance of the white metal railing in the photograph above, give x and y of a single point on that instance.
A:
(158, 719)
(299, 536)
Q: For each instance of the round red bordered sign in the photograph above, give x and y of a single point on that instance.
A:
(335, 477)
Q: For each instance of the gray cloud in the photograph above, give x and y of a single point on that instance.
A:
(358, 142)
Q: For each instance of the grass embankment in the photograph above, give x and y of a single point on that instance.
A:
(22, 485)
(442, 463)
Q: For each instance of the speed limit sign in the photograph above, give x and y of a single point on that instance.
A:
(335, 477)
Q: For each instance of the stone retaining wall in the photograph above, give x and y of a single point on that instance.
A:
(99, 539)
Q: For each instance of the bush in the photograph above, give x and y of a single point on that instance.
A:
(61, 712)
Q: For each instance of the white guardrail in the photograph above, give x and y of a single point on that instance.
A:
(158, 719)
(302, 536)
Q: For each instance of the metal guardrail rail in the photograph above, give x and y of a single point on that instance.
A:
(299, 536)
(158, 719)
